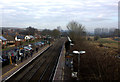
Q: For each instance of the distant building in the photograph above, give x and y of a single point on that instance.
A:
(101, 32)
(105, 31)
(97, 31)
(3, 40)
(29, 37)
(111, 31)
(59, 28)
(10, 39)
(19, 38)
(37, 37)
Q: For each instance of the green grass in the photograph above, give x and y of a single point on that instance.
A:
(106, 40)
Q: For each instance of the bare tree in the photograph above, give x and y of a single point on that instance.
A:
(76, 30)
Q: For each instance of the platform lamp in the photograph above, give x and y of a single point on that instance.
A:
(78, 53)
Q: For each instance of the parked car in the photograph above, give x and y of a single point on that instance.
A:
(27, 48)
(22, 51)
(38, 44)
(42, 43)
(35, 43)
(4, 61)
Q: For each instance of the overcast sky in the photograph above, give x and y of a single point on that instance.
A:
(52, 13)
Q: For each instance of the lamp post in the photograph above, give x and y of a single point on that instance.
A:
(78, 53)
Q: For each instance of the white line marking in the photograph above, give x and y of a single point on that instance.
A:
(58, 61)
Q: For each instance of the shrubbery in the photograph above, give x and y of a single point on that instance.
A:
(96, 63)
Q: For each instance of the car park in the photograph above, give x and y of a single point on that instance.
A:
(5, 58)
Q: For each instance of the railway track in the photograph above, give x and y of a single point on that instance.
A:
(43, 67)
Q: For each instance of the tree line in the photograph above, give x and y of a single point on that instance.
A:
(32, 31)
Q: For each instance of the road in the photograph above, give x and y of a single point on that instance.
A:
(43, 67)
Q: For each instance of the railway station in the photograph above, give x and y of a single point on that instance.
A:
(46, 64)
(59, 40)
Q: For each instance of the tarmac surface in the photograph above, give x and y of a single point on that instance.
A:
(63, 72)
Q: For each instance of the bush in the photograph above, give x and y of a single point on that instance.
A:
(96, 64)
(101, 45)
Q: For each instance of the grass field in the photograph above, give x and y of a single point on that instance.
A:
(108, 42)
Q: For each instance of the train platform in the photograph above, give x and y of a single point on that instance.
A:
(62, 72)
(10, 69)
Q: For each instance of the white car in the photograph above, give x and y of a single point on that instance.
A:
(27, 48)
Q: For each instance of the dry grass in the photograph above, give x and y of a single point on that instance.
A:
(97, 63)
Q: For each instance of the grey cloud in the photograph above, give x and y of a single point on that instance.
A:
(59, 13)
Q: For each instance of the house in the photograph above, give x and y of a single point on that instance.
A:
(12, 34)
(29, 37)
(3, 40)
(37, 37)
(19, 38)
(10, 40)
